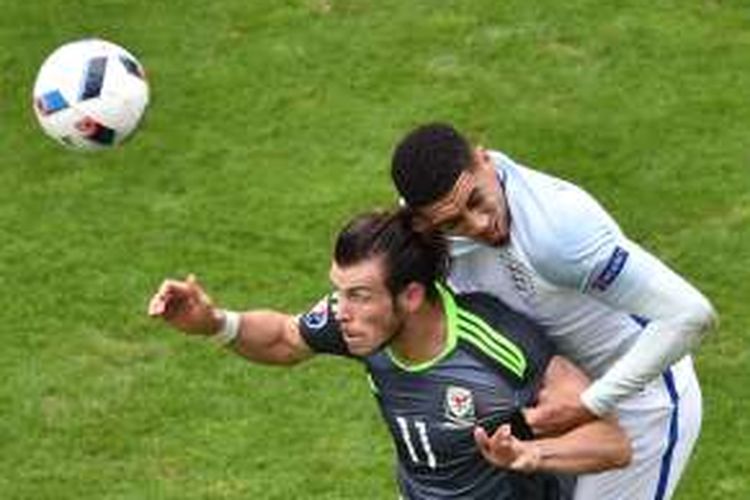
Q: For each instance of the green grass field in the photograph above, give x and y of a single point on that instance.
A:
(271, 122)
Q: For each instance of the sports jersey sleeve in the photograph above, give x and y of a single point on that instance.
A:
(677, 317)
(572, 239)
(320, 330)
(592, 255)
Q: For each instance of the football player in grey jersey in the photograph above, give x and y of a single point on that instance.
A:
(451, 373)
(547, 249)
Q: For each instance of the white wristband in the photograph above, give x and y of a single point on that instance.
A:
(230, 328)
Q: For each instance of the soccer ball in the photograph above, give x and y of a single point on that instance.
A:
(90, 94)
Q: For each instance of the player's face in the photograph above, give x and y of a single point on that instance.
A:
(365, 308)
(474, 208)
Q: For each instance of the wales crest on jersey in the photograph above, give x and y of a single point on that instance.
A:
(459, 406)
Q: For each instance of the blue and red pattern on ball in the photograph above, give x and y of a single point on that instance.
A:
(51, 102)
(96, 132)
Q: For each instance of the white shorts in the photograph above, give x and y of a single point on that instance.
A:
(663, 422)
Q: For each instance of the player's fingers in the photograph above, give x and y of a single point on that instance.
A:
(194, 285)
(166, 305)
(169, 287)
(197, 289)
(498, 448)
(503, 432)
(156, 305)
(176, 305)
(501, 439)
(169, 298)
(482, 440)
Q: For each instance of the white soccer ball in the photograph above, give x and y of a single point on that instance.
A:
(90, 94)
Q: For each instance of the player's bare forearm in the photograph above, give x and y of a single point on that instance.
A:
(558, 407)
(572, 440)
(592, 447)
(678, 315)
(263, 336)
(270, 337)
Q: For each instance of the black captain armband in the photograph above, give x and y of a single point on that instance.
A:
(518, 426)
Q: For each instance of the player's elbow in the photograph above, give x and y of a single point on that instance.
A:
(624, 453)
(618, 450)
(618, 454)
(701, 318)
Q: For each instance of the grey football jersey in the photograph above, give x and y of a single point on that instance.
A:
(490, 368)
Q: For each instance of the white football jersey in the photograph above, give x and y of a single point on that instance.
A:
(567, 265)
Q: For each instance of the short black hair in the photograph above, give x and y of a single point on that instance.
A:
(427, 162)
(408, 255)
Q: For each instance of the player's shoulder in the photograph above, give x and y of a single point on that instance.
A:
(483, 304)
(525, 347)
(319, 328)
(560, 227)
(571, 240)
(496, 313)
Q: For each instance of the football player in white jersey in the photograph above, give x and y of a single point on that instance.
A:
(547, 249)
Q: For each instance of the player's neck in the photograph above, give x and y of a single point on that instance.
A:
(423, 336)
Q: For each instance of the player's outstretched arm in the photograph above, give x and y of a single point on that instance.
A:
(678, 316)
(262, 336)
(586, 252)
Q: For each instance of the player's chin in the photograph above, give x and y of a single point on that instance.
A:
(358, 347)
(494, 237)
(360, 350)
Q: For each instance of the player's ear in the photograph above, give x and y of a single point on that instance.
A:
(420, 222)
(412, 297)
(480, 161)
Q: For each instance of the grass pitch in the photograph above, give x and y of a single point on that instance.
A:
(271, 122)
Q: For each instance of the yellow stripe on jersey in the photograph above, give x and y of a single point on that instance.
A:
(476, 331)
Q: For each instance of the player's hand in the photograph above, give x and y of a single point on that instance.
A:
(504, 450)
(557, 417)
(559, 408)
(185, 306)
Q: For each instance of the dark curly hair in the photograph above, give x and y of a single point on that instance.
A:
(409, 256)
(427, 162)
